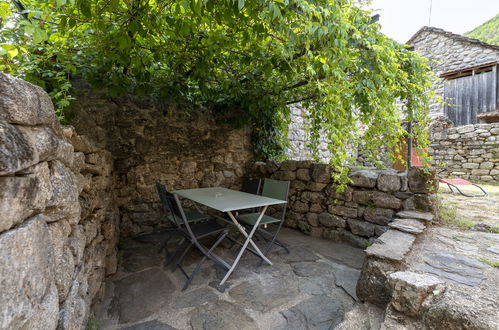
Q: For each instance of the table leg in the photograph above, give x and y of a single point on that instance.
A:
(248, 240)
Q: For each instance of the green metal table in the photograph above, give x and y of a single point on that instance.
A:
(228, 201)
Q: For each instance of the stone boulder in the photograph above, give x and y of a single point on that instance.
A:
(24, 103)
(26, 273)
(16, 152)
(409, 290)
(364, 178)
(389, 181)
(422, 181)
(23, 196)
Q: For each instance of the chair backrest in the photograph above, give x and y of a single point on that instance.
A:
(251, 185)
(169, 204)
(275, 189)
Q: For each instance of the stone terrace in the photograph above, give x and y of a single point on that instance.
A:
(313, 287)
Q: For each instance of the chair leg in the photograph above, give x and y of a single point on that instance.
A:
(168, 259)
(198, 266)
(182, 256)
(272, 242)
(164, 245)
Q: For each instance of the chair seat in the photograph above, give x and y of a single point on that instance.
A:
(192, 215)
(205, 228)
(251, 218)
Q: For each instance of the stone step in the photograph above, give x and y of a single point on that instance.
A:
(426, 216)
(412, 226)
(392, 245)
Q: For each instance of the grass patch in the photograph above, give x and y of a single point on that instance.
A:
(488, 262)
(92, 325)
(494, 230)
(446, 213)
(464, 224)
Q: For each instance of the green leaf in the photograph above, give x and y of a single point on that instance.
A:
(39, 35)
(240, 4)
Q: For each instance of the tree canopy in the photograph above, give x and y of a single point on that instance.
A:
(487, 32)
(247, 60)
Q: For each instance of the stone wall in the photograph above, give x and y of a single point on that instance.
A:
(448, 52)
(58, 225)
(298, 138)
(364, 211)
(150, 144)
(468, 152)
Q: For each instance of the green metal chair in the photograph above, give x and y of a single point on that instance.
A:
(273, 189)
(192, 215)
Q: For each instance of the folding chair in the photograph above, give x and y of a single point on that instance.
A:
(192, 215)
(274, 189)
(454, 183)
(251, 185)
(192, 234)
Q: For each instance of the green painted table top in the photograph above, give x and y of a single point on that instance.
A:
(225, 200)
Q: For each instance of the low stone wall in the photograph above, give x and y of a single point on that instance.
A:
(152, 143)
(364, 211)
(58, 225)
(469, 152)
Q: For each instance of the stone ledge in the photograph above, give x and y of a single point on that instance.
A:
(392, 245)
(411, 226)
(426, 216)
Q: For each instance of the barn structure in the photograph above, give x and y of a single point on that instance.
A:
(466, 70)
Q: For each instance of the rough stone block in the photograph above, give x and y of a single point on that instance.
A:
(389, 182)
(23, 196)
(329, 220)
(312, 196)
(364, 178)
(380, 216)
(313, 219)
(385, 200)
(300, 207)
(362, 196)
(16, 152)
(26, 273)
(284, 175)
(361, 228)
(303, 174)
(421, 181)
(409, 290)
(321, 173)
(343, 211)
(24, 103)
(373, 285)
(288, 165)
(64, 200)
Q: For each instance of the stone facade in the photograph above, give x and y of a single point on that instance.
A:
(149, 144)
(468, 152)
(298, 138)
(364, 211)
(448, 52)
(58, 224)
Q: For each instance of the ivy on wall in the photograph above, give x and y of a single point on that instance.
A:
(247, 60)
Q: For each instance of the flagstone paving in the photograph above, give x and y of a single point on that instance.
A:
(312, 287)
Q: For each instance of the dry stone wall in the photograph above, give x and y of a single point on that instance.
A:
(364, 211)
(298, 138)
(469, 152)
(58, 225)
(150, 144)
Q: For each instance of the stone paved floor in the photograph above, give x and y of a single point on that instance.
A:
(313, 287)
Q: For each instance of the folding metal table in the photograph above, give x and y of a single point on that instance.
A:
(227, 201)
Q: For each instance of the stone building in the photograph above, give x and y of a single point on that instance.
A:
(466, 72)
(459, 62)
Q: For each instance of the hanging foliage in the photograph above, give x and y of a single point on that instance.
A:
(247, 60)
